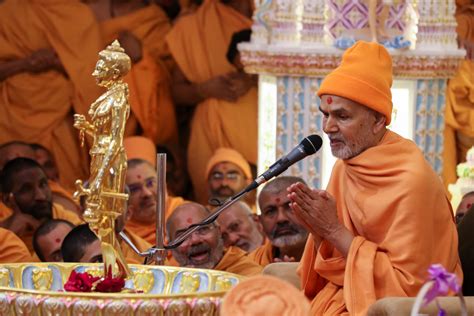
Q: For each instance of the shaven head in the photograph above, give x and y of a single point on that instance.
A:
(204, 248)
(48, 238)
(46, 159)
(15, 149)
(240, 227)
(279, 223)
(81, 245)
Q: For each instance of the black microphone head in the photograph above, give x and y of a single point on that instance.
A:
(311, 144)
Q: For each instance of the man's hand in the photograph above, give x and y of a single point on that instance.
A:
(285, 259)
(219, 87)
(132, 46)
(18, 222)
(43, 60)
(241, 82)
(468, 46)
(317, 211)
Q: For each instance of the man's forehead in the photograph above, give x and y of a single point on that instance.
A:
(226, 166)
(187, 216)
(274, 198)
(33, 174)
(141, 171)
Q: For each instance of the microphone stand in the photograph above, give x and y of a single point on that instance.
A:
(158, 250)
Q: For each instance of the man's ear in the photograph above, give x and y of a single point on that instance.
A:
(379, 123)
(257, 221)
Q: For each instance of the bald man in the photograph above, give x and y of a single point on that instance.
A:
(286, 236)
(205, 247)
(48, 238)
(240, 227)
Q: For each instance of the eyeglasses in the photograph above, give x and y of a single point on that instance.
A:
(201, 231)
(231, 176)
(149, 183)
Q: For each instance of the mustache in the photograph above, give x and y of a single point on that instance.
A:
(200, 248)
(277, 231)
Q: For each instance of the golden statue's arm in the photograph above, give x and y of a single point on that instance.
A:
(81, 124)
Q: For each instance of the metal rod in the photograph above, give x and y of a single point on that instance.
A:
(160, 205)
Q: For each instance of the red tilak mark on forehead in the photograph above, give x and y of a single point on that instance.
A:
(278, 200)
(189, 220)
(139, 176)
(58, 240)
(329, 100)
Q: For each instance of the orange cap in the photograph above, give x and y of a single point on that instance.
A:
(264, 295)
(364, 76)
(228, 155)
(139, 147)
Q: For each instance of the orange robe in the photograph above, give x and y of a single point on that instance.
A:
(149, 79)
(130, 255)
(459, 114)
(396, 207)
(263, 255)
(147, 230)
(12, 249)
(199, 43)
(235, 260)
(38, 107)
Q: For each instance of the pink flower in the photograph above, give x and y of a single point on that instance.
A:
(80, 282)
(110, 284)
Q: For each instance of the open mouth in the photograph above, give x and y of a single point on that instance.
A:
(200, 257)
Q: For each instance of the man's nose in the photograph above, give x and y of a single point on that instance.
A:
(233, 238)
(281, 215)
(329, 125)
(40, 194)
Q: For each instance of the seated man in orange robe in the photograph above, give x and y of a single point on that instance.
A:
(227, 173)
(286, 238)
(12, 248)
(141, 28)
(226, 98)
(16, 149)
(241, 228)
(48, 238)
(141, 181)
(25, 191)
(205, 248)
(384, 218)
(45, 76)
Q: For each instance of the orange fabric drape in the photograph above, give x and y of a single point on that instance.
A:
(12, 249)
(235, 260)
(263, 255)
(149, 79)
(37, 107)
(459, 117)
(396, 207)
(147, 231)
(199, 43)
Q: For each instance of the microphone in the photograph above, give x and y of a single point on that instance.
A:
(306, 147)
